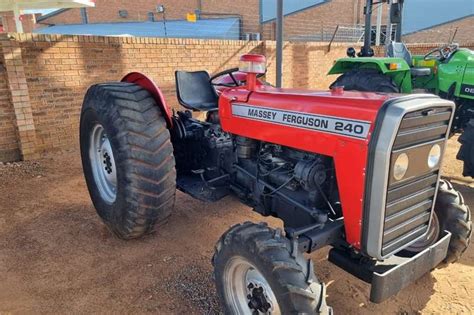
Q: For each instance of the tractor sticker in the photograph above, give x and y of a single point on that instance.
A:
(467, 89)
(347, 127)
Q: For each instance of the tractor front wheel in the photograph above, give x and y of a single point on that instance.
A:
(127, 158)
(366, 80)
(453, 215)
(256, 273)
(466, 153)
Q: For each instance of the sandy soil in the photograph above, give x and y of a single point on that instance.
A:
(57, 257)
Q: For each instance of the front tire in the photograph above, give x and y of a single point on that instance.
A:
(256, 273)
(127, 158)
(451, 214)
(466, 152)
(454, 216)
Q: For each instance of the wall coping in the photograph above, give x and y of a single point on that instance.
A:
(31, 37)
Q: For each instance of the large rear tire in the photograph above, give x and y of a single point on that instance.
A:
(366, 80)
(466, 153)
(127, 158)
(256, 273)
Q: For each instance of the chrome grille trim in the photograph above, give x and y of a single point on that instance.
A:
(397, 214)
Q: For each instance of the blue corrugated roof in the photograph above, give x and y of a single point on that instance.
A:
(228, 28)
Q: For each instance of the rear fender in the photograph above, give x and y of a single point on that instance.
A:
(401, 76)
(148, 84)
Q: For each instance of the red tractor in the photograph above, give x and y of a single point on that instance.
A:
(359, 172)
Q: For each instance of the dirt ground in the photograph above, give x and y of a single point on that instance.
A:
(57, 257)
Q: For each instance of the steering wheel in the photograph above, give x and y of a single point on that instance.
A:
(232, 73)
(228, 72)
(444, 52)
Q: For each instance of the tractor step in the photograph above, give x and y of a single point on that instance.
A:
(196, 188)
(392, 275)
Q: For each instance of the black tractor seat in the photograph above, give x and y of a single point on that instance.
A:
(194, 91)
(400, 50)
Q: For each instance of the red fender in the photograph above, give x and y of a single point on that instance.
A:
(148, 84)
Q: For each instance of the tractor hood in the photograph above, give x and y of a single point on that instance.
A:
(331, 115)
(338, 124)
(357, 129)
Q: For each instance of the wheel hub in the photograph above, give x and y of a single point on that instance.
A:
(257, 299)
(247, 290)
(103, 164)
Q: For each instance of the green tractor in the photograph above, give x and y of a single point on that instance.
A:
(447, 71)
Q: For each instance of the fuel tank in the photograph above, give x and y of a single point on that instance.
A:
(334, 123)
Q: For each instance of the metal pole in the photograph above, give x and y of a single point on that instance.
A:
(388, 32)
(379, 24)
(279, 43)
(18, 23)
(84, 17)
(164, 23)
(368, 28)
(399, 25)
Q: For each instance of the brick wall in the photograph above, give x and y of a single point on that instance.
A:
(28, 21)
(59, 69)
(305, 64)
(319, 18)
(247, 9)
(43, 78)
(9, 148)
(20, 102)
(108, 11)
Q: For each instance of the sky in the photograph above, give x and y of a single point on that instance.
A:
(420, 14)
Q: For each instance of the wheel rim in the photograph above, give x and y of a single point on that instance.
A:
(430, 239)
(246, 289)
(103, 164)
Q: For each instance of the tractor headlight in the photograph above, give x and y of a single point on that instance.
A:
(434, 156)
(400, 166)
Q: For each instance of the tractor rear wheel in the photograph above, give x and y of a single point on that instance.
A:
(466, 153)
(127, 158)
(256, 273)
(453, 215)
(366, 80)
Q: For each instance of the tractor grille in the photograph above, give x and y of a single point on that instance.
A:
(409, 202)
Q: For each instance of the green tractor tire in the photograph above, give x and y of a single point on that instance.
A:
(466, 153)
(366, 80)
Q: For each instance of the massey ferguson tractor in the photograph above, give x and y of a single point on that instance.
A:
(447, 71)
(359, 172)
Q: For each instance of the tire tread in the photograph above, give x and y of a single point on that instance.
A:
(146, 152)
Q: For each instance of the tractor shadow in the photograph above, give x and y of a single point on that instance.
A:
(349, 295)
